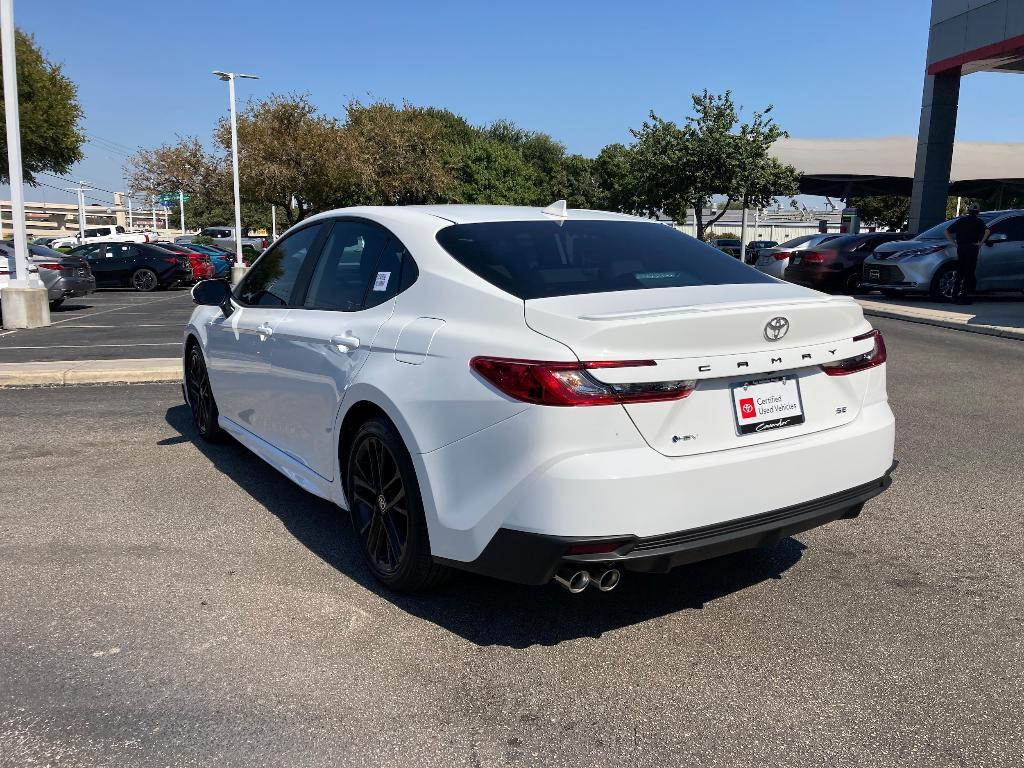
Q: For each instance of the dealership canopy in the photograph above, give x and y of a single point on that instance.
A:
(885, 166)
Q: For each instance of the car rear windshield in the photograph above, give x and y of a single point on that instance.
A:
(539, 259)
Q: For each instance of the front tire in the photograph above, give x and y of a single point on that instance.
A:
(200, 396)
(56, 303)
(944, 284)
(145, 280)
(387, 509)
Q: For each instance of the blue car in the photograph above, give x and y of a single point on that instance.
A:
(221, 259)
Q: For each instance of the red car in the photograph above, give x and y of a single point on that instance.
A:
(202, 264)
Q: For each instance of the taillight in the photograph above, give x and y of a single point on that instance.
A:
(812, 257)
(876, 356)
(780, 255)
(550, 383)
(49, 266)
(172, 260)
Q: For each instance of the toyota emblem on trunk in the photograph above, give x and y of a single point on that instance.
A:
(776, 328)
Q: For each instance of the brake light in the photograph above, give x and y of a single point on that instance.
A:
(813, 257)
(171, 260)
(556, 383)
(780, 255)
(875, 357)
(49, 266)
(595, 547)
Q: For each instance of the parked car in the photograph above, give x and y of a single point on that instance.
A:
(837, 264)
(222, 259)
(225, 237)
(431, 382)
(754, 247)
(728, 245)
(49, 278)
(45, 241)
(773, 261)
(74, 278)
(104, 234)
(202, 264)
(141, 266)
(927, 263)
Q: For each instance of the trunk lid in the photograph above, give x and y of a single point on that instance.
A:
(719, 336)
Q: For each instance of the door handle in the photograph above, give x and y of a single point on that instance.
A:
(264, 330)
(346, 341)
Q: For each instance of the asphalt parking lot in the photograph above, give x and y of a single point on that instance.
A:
(171, 603)
(105, 325)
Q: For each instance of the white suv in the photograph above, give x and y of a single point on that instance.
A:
(541, 395)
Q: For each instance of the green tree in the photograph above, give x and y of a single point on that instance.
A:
(49, 112)
(889, 211)
(713, 155)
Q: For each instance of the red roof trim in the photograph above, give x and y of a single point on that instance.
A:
(978, 54)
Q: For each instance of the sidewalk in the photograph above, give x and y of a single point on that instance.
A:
(991, 316)
(67, 372)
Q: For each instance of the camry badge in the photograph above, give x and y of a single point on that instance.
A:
(776, 328)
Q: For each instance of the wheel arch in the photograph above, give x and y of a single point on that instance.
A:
(363, 401)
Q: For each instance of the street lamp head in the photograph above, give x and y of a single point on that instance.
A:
(249, 77)
(222, 75)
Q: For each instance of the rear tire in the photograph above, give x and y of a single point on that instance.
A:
(387, 509)
(944, 283)
(852, 283)
(144, 280)
(200, 395)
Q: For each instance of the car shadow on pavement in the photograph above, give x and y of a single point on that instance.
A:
(487, 611)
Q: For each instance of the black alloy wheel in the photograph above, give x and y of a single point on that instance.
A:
(200, 395)
(387, 511)
(145, 280)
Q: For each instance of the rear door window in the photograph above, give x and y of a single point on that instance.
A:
(346, 267)
(538, 259)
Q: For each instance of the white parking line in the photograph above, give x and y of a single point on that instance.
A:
(115, 309)
(98, 346)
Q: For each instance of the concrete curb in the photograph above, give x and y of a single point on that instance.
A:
(929, 317)
(69, 372)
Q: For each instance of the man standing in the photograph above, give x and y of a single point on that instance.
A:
(969, 233)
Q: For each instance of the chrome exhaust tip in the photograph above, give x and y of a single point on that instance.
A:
(607, 580)
(574, 581)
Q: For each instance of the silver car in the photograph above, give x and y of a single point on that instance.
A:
(773, 261)
(49, 277)
(64, 275)
(927, 263)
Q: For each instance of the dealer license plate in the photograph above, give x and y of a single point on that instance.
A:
(795, 259)
(767, 404)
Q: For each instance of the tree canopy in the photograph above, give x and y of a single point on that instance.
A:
(304, 161)
(49, 112)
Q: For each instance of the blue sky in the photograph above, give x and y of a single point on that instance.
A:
(585, 72)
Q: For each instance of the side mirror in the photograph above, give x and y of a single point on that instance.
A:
(213, 293)
(998, 238)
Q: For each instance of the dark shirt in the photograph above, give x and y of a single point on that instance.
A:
(968, 230)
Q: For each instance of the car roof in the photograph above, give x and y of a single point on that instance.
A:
(474, 214)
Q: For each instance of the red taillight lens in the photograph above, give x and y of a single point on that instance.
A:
(551, 383)
(780, 255)
(595, 547)
(49, 266)
(172, 260)
(812, 257)
(870, 359)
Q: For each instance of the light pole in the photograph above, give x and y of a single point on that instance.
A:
(24, 302)
(238, 270)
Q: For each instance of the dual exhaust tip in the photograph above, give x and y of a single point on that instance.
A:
(577, 580)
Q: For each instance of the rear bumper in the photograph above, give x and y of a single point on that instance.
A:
(534, 558)
(820, 280)
(77, 286)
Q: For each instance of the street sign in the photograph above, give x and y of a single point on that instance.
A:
(170, 198)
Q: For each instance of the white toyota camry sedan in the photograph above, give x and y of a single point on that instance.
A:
(541, 394)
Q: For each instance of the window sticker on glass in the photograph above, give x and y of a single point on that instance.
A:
(381, 283)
